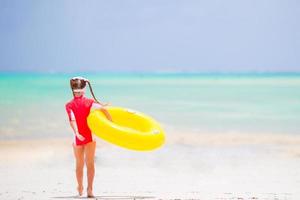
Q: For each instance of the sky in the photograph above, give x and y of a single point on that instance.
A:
(149, 35)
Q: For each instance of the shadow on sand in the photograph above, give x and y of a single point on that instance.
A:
(106, 197)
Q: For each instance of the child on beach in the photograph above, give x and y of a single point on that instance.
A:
(84, 144)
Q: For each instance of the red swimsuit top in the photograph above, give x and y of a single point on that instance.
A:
(80, 107)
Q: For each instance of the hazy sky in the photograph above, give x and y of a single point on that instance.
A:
(159, 35)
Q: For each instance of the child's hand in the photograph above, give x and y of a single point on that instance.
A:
(80, 137)
(106, 104)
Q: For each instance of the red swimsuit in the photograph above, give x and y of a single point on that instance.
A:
(79, 107)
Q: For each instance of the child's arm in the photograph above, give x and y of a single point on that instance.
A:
(72, 121)
(106, 113)
(74, 127)
(103, 109)
(102, 104)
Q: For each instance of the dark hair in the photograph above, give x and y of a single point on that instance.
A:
(77, 83)
(80, 83)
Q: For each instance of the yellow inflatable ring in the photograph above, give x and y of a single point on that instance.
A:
(130, 129)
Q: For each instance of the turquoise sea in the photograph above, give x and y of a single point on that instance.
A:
(32, 104)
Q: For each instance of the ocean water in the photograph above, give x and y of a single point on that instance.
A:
(32, 104)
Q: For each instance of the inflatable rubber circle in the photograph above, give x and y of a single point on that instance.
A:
(130, 129)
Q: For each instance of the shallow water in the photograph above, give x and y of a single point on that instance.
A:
(33, 104)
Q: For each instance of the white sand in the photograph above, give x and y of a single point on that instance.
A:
(195, 166)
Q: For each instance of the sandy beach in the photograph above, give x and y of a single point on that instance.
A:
(221, 78)
(228, 137)
(199, 166)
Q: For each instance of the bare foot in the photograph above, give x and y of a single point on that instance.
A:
(89, 192)
(80, 190)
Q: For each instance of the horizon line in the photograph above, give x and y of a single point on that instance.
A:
(158, 73)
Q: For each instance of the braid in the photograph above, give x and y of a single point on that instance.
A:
(92, 92)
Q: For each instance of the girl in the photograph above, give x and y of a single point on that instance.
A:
(84, 144)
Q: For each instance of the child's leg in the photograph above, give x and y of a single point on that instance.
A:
(89, 150)
(79, 156)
